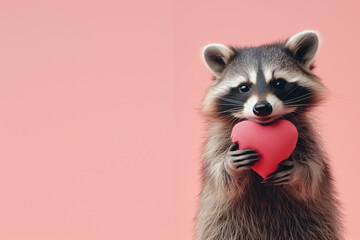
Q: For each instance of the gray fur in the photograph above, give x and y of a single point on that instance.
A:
(241, 207)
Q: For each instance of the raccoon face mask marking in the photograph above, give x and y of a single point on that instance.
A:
(262, 83)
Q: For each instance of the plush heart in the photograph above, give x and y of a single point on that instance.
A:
(275, 142)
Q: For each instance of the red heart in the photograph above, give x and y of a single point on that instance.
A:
(275, 142)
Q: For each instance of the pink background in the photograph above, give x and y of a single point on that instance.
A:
(100, 133)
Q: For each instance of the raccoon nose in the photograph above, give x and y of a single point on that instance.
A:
(262, 109)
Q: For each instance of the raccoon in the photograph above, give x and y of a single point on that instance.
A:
(264, 84)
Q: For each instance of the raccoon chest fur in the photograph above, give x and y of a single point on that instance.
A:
(245, 208)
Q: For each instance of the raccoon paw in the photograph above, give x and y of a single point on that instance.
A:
(238, 160)
(283, 175)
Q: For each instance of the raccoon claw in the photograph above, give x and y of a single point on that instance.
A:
(282, 176)
(237, 160)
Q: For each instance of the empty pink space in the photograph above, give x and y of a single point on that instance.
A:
(100, 130)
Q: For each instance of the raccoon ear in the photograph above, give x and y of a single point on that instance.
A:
(304, 46)
(216, 57)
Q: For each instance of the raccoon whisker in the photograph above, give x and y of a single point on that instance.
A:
(297, 111)
(292, 115)
(247, 107)
(306, 94)
(295, 102)
(299, 97)
(231, 100)
(228, 104)
(230, 110)
(309, 93)
(235, 108)
(233, 121)
(297, 105)
(232, 103)
(289, 92)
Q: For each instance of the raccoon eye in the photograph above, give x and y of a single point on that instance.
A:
(279, 83)
(244, 88)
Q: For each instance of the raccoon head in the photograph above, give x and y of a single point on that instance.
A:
(264, 83)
